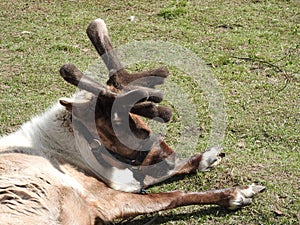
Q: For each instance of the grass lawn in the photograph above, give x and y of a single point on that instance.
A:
(252, 49)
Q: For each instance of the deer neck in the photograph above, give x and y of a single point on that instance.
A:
(49, 134)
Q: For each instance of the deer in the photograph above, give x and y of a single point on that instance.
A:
(70, 166)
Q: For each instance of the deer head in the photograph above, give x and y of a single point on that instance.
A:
(115, 110)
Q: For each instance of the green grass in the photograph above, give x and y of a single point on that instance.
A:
(253, 50)
(175, 9)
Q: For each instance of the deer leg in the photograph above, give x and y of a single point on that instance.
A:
(136, 204)
(173, 166)
(178, 168)
(202, 162)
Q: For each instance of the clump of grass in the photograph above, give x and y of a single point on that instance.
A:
(175, 9)
(64, 47)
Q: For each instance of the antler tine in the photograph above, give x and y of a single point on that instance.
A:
(98, 34)
(74, 76)
(119, 77)
(152, 111)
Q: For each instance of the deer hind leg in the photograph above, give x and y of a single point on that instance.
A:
(137, 204)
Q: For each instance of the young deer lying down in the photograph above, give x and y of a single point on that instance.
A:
(49, 175)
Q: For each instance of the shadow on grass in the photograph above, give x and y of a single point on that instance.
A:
(153, 219)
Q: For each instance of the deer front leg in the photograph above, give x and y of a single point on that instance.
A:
(163, 153)
(231, 198)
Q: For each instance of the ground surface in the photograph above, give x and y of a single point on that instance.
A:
(252, 48)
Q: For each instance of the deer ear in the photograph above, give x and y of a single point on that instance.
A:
(67, 103)
(70, 103)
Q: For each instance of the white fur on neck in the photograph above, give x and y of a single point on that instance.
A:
(47, 134)
(51, 135)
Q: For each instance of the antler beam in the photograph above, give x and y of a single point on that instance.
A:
(98, 34)
(74, 76)
(148, 109)
(119, 77)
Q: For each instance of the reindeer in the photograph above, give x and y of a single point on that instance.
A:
(63, 167)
